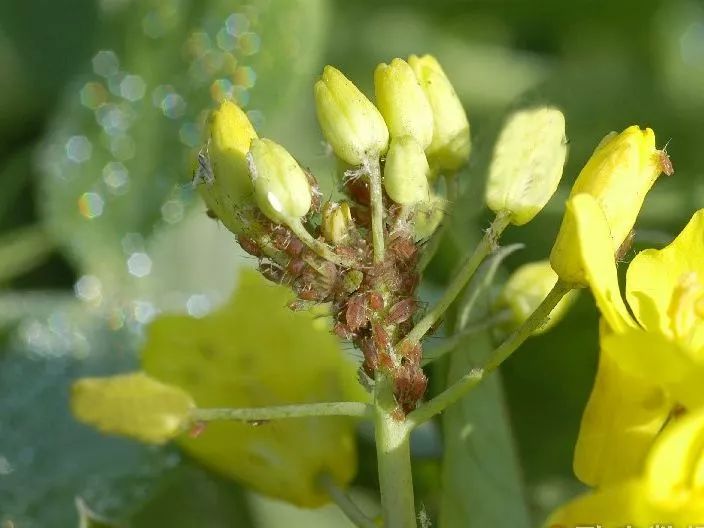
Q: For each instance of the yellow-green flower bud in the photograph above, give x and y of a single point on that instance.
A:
(222, 174)
(527, 164)
(402, 102)
(450, 146)
(618, 175)
(406, 172)
(428, 215)
(350, 122)
(337, 222)
(525, 290)
(281, 188)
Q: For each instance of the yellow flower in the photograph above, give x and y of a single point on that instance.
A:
(350, 122)
(222, 174)
(669, 489)
(402, 102)
(450, 146)
(618, 175)
(650, 364)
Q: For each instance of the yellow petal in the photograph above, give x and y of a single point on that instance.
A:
(624, 414)
(614, 507)
(255, 352)
(133, 405)
(653, 274)
(675, 473)
(591, 255)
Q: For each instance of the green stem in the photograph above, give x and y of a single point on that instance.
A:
(377, 205)
(393, 460)
(316, 245)
(304, 410)
(485, 247)
(453, 393)
(345, 503)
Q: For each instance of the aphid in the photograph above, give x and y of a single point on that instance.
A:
(402, 310)
(375, 300)
(403, 248)
(295, 267)
(211, 214)
(665, 161)
(307, 293)
(381, 337)
(197, 429)
(356, 313)
(412, 352)
(250, 246)
(358, 189)
(352, 280)
(204, 170)
(625, 246)
(341, 331)
(315, 194)
(271, 272)
(281, 238)
(294, 247)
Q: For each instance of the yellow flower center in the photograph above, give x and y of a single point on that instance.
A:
(686, 311)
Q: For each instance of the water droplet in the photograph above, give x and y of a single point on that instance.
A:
(79, 149)
(173, 106)
(116, 177)
(106, 63)
(139, 264)
(198, 305)
(93, 94)
(172, 211)
(236, 24)
(245, 76)
(249, 43)
(91, 205)
(132, 87)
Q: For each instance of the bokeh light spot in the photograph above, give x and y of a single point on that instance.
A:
(132, 87)
(91, 205)
(249, 43)
(172, 211)
(93, 94)
(106, 63)
(236, 24)
(245, 76)
(79, 149)
(116, 177)
(139, 264)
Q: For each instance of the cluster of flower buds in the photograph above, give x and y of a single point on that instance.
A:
(329, 252)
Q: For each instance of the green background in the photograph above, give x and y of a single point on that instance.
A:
(101, 104)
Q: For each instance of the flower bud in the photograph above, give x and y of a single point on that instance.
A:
(349, 121)
(281, 188)
(402, 102)
(222, 174)
(406, 172)
(428, 215)
(450, 146)
(337, 222)
(618, 175)
(527, 163)
(525, 290)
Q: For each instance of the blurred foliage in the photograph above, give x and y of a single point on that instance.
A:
(95, 149)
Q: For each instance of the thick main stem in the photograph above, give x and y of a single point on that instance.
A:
(453, 393)
(394, 461)
(377, 207)
(305, 410)
(465, 273)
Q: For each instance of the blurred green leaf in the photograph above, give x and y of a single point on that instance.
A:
(118, 158)
(22, 250)
(275, 357)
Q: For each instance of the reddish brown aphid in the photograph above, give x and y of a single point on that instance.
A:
(404, 248)
(281, 238)
(307, 293)
(402, 310)
(356, 313)
(410, 351)
(358, 189)
(341, 331)
(625, 246)
(315, 194)
(410, 384)
(295, 247)
(295, 267)
(250, 246)
(271, 272)
(197, 429)
(665, 162)
(375, 300)
(381, 338)
(371, 357)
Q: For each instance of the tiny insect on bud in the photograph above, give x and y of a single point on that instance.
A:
(281, 187)
(527, 164)
(403, 103)
(381, 338)
(336, 222)
(350, 122)
(450, 146)
(406, 172)
(375, 300)
(356, 313)
(352, 280)
(665, 162)
(402, 311)
(428, 216)
(250, 246)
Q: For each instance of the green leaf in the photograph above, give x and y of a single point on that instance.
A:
(255, 352)
(23, 249)
(118, 158)
(133, 405)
